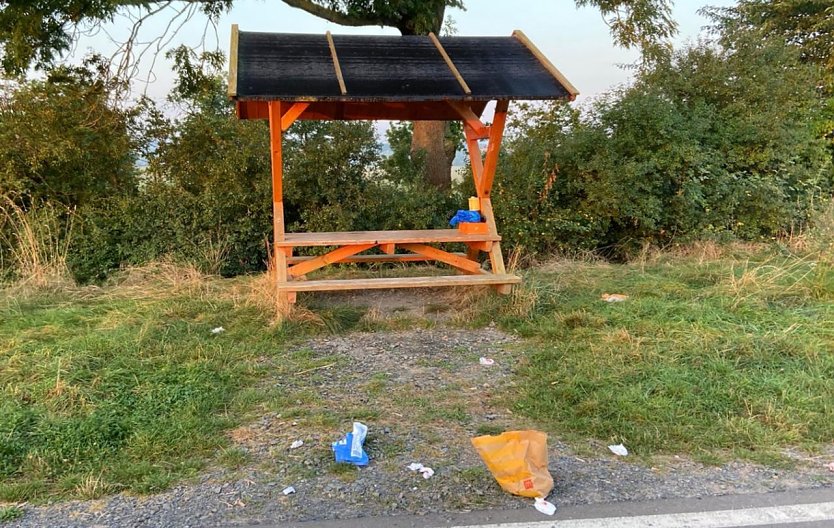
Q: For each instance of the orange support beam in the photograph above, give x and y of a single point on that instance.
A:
(479, 129)
(275, 138)
(453, 260)
(293, 113)
(475, 158)
(496, 134)
(333, 257)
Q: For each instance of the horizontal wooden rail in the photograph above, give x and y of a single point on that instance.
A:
(487, 279)
(345, 238)
(372, 259)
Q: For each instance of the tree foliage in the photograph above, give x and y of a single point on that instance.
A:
(64, 139)
(680, 154)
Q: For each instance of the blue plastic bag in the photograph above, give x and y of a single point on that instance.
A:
(465, 216)
(349, 449)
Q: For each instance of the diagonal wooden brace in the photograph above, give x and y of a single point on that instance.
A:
(334, 256)
(292, 114)
(455, 261)
(479, 129)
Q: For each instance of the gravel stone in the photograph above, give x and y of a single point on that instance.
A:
(423, 361)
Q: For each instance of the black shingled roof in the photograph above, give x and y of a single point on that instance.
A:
(300, 67)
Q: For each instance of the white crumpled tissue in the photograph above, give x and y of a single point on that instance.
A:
(297, 444)
(218, 330)
(426, 471)
(487, 361)
(618, 449)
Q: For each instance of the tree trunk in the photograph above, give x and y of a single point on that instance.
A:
(430, 138)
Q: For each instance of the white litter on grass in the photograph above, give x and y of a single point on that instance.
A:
(218, 330)
(618, 449)
(289, 490)
(426, 471)
(830, 466)
(614, 297)
(547, 508)
(487, 361)
(297, 444)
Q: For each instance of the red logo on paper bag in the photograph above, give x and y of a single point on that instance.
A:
(528, 484)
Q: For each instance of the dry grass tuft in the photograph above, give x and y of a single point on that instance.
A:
(38, 242)
(93, 487)
(159, 279)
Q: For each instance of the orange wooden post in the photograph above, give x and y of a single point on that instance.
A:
(475, 158)
(283, 297)
(496, 134)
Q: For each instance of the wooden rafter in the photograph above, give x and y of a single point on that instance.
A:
(336, 65)
(521, 37)
(450, 64)
(232, 86)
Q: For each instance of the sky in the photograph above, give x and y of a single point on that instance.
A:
(577, 41)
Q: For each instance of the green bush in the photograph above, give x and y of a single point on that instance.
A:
(711, 142)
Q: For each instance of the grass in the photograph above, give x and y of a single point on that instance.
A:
(720, 352)
(126, 388)
(10, 513)
(720, 357)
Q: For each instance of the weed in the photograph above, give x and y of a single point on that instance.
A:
(233, 457)
(488, 429)
(10, 513)
(343, 471)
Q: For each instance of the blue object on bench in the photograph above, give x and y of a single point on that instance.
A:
(465, 216)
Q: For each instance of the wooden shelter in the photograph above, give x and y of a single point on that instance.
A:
(284, 77)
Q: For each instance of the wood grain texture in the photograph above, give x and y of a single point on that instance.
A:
(373, 259)
(337, 255)
(344, 238)
(450, 64)
(401, 282)
(232, 87)
(433, 253)
(541, 57)
(336, 65)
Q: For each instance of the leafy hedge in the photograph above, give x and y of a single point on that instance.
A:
(712, 142)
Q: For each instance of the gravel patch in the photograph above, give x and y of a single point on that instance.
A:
(423, 395)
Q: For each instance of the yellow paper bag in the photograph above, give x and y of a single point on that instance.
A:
(518, 461)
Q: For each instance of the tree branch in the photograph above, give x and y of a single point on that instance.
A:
(337, 17)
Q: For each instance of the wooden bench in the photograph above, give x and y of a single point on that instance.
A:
(350, 243)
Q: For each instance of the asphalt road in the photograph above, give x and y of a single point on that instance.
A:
(805, 509)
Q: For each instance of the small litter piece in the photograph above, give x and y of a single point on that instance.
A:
(547, 508)
(297, 444)
(289, 490)
(349, 449)
(619, 450)
(427, 472)
(487, 361)
(218, 330)
(614, 297)
(830, 466)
